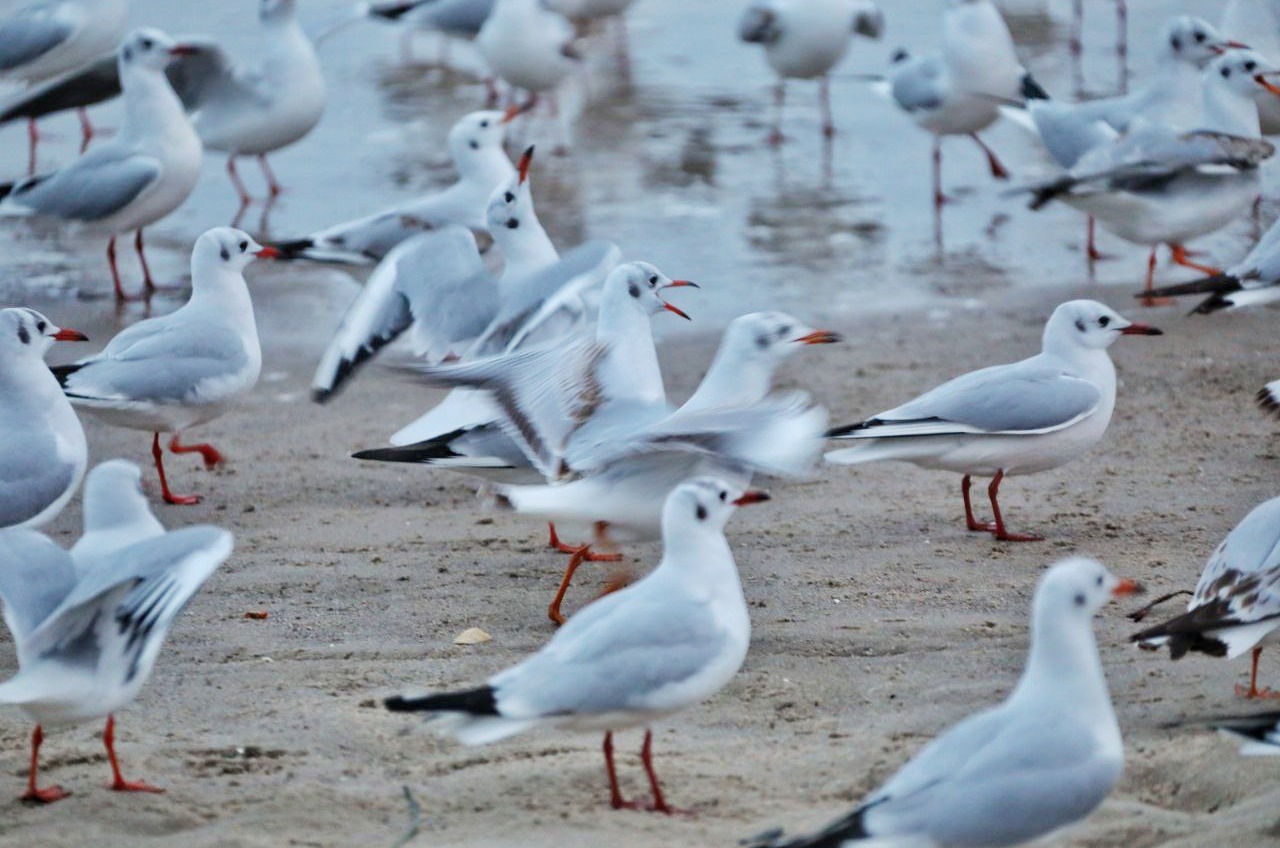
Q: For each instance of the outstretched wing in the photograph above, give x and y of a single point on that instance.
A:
(35, 576)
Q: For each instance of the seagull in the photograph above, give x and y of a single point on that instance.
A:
(253, 111)
(116, 514)
(452, 18)
(78, 89)
(43, 453)
(87, 633)
(134, 179)
(475, 143)
(1252, 281)
(1260, 732)
(1020, 418)
(958, 91)
(528, 46)
(1044, 758)
(1156, 185)
(584, 13)
(663, 644)
(1257, 23)
(804, 40)
(47, 39)
(171, 373)
(1236, 604)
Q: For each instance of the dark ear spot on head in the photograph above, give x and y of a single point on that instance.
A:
(225, 254)
(128, 54)
(512, 223)
(1079, 325)
(23, 335)
(701, 513)
(762, 341)
(633, 290)
(475, 145)
(509, 197)
(1079, 599)
(1226, 73)
(1175, 43)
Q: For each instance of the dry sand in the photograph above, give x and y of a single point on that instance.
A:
(877, 619)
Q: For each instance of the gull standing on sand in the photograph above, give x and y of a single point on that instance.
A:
(663, 644)
(804, 40)
(958, 91)
(1043, 759)
(49, 38)
(87, 631)
(43, 453)
(1236, 604)
(134, 179)
(475, 144)
(1021, 418)
(1157, 185)
(168, 374)
(116, 513)
(253, 111)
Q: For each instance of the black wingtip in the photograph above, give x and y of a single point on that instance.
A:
(1218, 284)
(62, 372)
(1031, 89)
(425, 451)
(295, 249)
(837, 432)
(1267, 401)
(480, 701)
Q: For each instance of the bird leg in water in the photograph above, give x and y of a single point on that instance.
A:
(1253, 691)
(35, 794)
(207, 451)
(169, 497)
(118, 783)
(998, 170)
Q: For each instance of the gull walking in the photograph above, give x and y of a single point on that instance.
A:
(1044, 758)
(1021, 418)
(136, 178)
(659, 646)
(43, 453)
(168, 374)
(88, 631)
(1236, 604)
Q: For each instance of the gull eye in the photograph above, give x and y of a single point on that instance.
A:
(1200, 37)
(509, 197)
(484, 123)
(40, 325)
(244, 245)
(1104, 321)
(724, 496)
(1250, 65)
(784, 330)
(653, 280)
(147, 44)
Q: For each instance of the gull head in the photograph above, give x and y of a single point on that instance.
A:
(640, 283)
(1089, 325)
(149, 48)
(478, 131)
(25, 331)
(706, 502)
(1244, 72)
(1078, 588)
(229, 248)
(1193, 40)
(511, 204)
(773, 336)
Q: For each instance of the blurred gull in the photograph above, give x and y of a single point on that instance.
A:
(1021, 418)
(804, 40)
(171, 373)
(1236, 604)
(666, 643)
(529, 46)
(134, 179)
(88, 631)
(1252, 281)
(1257, 23)
(43, 453)
(1260, 732)
(1044, 758)
(116, 514)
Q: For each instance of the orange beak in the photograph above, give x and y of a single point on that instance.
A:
(677, 310)
(1260, 79)
(751, 497)
(65, 335)
(1127, 587)
(820, 337)
(514, 112)
(1141, 330)
(267, 253)
(525, 161)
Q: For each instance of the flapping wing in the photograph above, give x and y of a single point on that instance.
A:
(35, 576)
(207, 73)
(30, 33)
(96, 185)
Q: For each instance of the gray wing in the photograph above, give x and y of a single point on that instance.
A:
(1067, 134)
(31, 33)
(1252, 547)
(1025, 398)
(759, 24)
(613, 655)
(88, 86)
(32, 475)
(435, 282)
(207, 74)
(545, 294)
(919, 83)
(35, 576)
(131, 595)
(98, 184)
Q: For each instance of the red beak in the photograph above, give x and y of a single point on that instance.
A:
(523, 167)
(820, 337)
(267, 253)
(676, 310)
(1223, 46)
(65, 335)
(1127, 587)
(515, 111)
(1141, 330)
(751, 497)
(183, 50)
(678, 283)
(1268, 86)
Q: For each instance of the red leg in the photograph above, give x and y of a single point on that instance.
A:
(615, 795)
(589, 556)
(997, 169)
(659, 804)
(169, 497)
(35, 794)
(1095, 255)
(553, 609)
(1182, 257)
(775, 136)
(1002, 534)
(1253, 691)
(208, 452)
(142, 259)
(824, 102)
(1150, 283)
(245, 197)
(118, 783)
(273, 185)
(33, 141)
(86, 129)
(971, 522)
(939, 199)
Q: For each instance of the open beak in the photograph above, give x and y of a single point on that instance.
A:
(1261, 80)
(267, 253)
(182, 50)
(525, 161)
(820, 337)
(65, 335)
(1223, 46)
(751, 497)
(1127, 587)
(675, 284)
(1141, 330)
(677, 310)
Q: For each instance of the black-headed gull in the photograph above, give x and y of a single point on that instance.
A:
(1044, 758)
(585, 13)
(43, 453)
(87, 632)
(1252, 281)
(475, 144)
(1021, 418)
(256, 109)
(528, 46)
(663, 644)
(1236, 604)
(116, 513)
(1157, 185)
(50, 38)
(805, 41)
(136, 178)
(168, 374)
(1257, 23)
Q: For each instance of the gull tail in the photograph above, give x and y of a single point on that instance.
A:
(1206, 631)
(834, 835)
(470, 715)
(1269, 398)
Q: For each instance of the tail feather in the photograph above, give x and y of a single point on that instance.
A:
(1269, 398)
(425, 452)
(474, 702)
(834, 835)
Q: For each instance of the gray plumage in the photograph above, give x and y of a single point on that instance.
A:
(95, 83)
(31, 33)
(95, 186)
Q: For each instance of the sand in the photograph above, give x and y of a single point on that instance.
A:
(877, 619)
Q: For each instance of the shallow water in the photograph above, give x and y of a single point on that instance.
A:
(672, 167)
